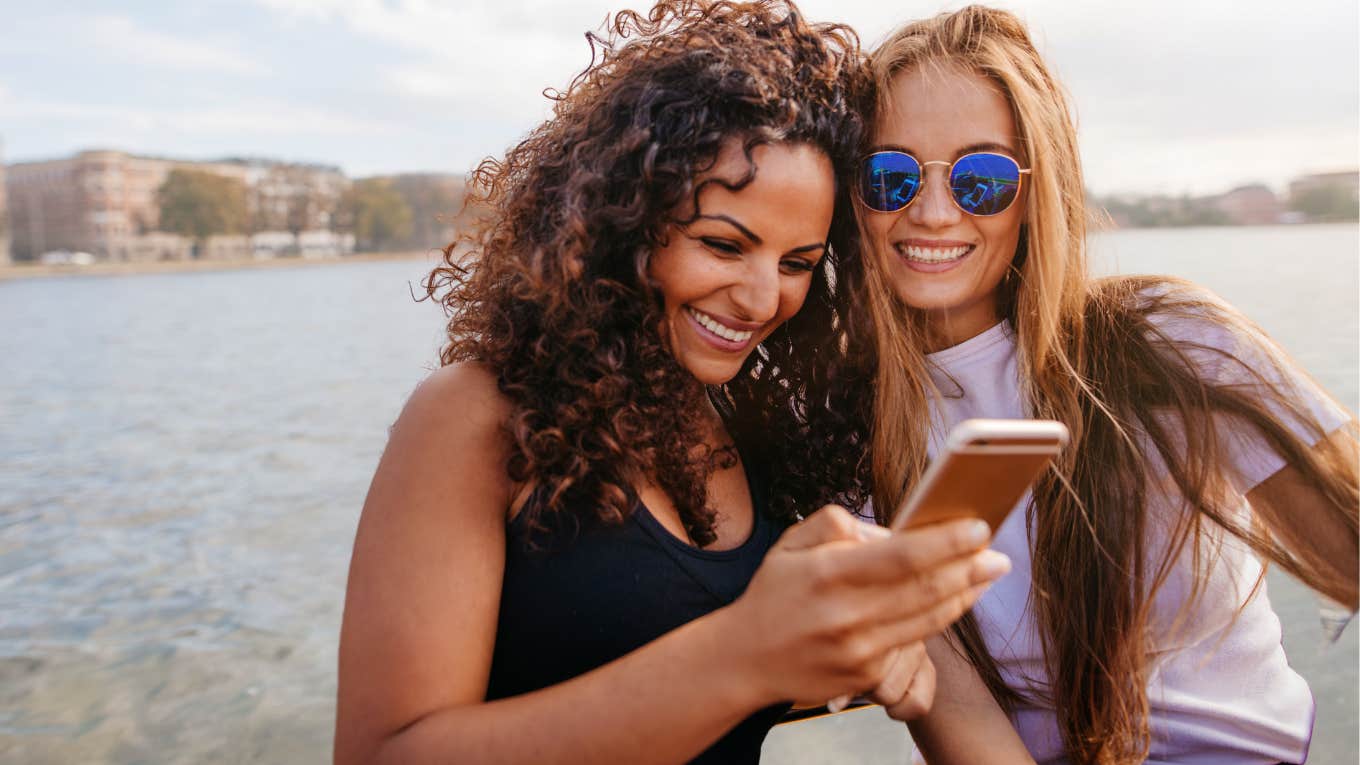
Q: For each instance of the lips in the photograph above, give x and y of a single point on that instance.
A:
(932, 256)
(718, 333)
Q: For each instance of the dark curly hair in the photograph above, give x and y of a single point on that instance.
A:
(550, 287)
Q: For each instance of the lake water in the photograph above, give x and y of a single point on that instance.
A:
(183, 459)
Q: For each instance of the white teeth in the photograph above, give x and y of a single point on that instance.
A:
(713, 326)
(933, 254)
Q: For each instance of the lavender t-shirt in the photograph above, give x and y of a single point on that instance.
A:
(1220, 689)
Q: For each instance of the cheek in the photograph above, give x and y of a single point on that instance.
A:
(791, 299)
(669, 273)
(881, 258)
(1004, 236)
(876, 228)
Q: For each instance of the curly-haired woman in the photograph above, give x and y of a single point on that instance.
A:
(1136, 626)
(560, 558)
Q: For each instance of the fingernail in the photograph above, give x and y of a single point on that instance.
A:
(991, 564)
(978, 532)
(837, 704)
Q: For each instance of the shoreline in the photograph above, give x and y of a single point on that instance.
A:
(29, 270)
(18, 271)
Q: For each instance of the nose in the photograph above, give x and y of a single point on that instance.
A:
(756, 294)
(935, 208)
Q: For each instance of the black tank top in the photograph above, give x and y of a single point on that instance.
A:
(571, 605)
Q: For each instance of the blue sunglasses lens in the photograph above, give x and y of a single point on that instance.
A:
(985, 184)
(888, 181)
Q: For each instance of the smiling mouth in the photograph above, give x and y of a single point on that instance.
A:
(718, 333)
(933, 255)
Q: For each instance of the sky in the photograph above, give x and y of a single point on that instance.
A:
(1187, 96)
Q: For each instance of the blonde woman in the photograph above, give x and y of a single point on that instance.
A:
(1136, 624)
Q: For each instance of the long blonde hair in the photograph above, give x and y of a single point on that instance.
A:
(1089, 356)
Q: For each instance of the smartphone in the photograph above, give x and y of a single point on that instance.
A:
(984, 469)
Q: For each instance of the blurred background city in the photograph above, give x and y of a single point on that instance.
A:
(186, 438)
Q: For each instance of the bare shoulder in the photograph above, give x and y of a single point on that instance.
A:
(458, 400)
(451, 438)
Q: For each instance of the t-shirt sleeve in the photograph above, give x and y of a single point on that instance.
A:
(1250, 362)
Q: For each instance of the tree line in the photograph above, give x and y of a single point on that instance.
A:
(404, 212)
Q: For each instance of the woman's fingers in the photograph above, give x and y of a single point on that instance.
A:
(839, 703)
(906, 553)
(919, 696)
(899, 674)
(919, 625)
(832, 523)
(942, 583)
(909, 596)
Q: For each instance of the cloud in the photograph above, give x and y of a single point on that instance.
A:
(426, 83)
(123, 37)
(284, 119)
(483, 59)
(258, 118)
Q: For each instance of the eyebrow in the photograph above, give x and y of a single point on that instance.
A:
(971, 148)
(746, 232)
(751, 235)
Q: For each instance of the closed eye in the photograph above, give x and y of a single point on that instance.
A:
(725, 246)
(798, 265)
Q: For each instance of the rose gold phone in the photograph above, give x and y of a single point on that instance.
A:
(985, 468)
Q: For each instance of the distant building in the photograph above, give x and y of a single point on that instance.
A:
(101, 202)
(105, 203)
(293, 197)
(272, 244)
(1249, 205)
(324, 244)
(313, 243)
(1346, 180)
(1326, 196)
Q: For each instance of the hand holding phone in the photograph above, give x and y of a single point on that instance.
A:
(984, 469)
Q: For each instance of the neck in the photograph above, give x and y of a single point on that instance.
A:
(706, 412)
(945, 330)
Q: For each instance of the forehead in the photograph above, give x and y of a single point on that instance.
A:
(793, 191)
(936, 109)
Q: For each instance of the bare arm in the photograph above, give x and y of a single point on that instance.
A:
(421, 611)
(424, 589)
(965, 725)
(1321, 535)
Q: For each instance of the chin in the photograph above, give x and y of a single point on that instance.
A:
(712, 374)
(714, 378)
(930, 299)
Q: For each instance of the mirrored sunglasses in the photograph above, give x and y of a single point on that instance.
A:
(982, 183)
